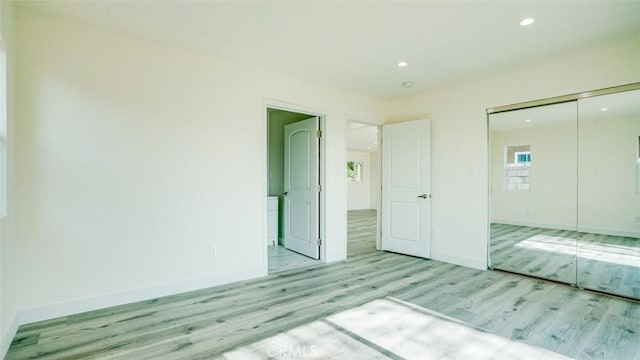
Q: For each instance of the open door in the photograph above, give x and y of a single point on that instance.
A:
(301, 187)
(406, 188)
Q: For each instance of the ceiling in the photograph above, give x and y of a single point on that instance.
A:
(362, 137)
(622, 105)
(356, 45)
(611, 107)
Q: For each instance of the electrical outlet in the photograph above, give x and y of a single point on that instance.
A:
(212, 251)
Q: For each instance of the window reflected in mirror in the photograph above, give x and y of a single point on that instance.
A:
(517, 171)
(578, 219)
(533, 160)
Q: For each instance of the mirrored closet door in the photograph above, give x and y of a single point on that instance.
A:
(533, 191)
(609, 193)
(565, 189)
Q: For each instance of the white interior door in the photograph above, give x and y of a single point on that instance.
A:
(406, 188)
(301, 187)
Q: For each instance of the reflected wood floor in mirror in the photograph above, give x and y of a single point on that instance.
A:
(213, 322)
(540, 252)
(605, 263)
(609, 264)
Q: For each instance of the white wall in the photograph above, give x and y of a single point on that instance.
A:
(551, 200)
(607, 197)
(359, 192)
(459, 135)
(136, 158)
(8, 254)
(585, 171)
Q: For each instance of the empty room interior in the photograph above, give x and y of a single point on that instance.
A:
(319, 180)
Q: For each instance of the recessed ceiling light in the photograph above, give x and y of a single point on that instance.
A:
(527, 120)
(369, 148)
(527, 21)
(375, 143)
(408, 84)
(402, 64)
(604, 109)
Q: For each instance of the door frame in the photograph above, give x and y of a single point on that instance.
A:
(282, 105)
(378, 124)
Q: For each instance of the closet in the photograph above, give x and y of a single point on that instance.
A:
(564, 189)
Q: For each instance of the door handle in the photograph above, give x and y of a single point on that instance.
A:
(425, 196)
(286, 193)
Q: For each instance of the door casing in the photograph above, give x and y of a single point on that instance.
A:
(281, 105)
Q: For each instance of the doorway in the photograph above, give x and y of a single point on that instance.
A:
(402, 188)
(363, 188)
(293, 188)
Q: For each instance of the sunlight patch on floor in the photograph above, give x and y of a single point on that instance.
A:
(615, 254)
(388, 328)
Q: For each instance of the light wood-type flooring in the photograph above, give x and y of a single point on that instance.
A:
(603, 263)
(282, 259)
(216, 322)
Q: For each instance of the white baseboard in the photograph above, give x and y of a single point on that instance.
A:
(534, 224)
(8, 336)
(480, 264)
(52, 311)
(584, 229)
(612, 232)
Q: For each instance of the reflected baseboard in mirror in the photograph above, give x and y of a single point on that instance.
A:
(609, 264)
(539, 252)
(571, 162)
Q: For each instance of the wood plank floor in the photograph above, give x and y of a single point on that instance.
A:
(609, 263)
(545, 253)
(282, 259)
(208, 323)
(604, 263)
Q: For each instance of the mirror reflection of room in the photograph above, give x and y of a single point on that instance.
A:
(533, 191)
(565, 192)
(608, 198)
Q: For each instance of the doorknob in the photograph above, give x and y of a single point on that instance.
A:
(425, 196)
